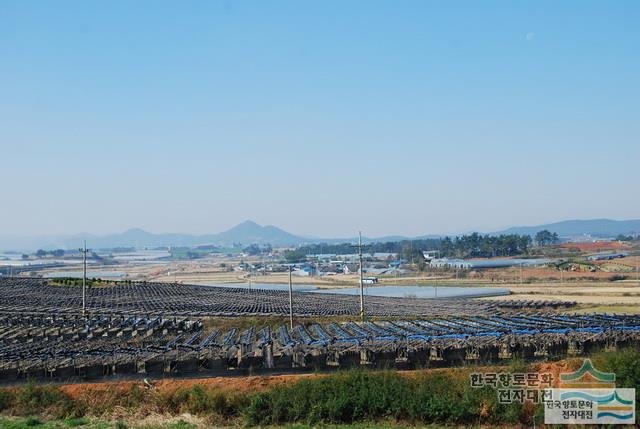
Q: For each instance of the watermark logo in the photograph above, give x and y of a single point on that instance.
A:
(589, 396)
(515, 387)
(587, 377)
(585, 396)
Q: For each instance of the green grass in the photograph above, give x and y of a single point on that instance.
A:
(354, 398)
(605, 308)
(189, 253)
(374, 425)
(360, 396)
(26, 423)
(77, 282)
(77, 422)
(33, 422)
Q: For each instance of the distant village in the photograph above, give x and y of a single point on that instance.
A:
(379, 259)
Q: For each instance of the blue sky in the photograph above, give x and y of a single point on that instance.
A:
(324, 118)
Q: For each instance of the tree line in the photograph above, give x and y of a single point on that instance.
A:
(466, 246)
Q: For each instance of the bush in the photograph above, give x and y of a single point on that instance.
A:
(202, 401)
(45, 399)
(343, 398)
(347, 397)
(625, 364)
(77, 421)
(437, 399)
(517, 364)
(32, 421)
(6, 399)
(365, 396)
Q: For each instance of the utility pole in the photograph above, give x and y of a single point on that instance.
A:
(411, 250)
(435, 286)
(290, 300)
(520, 273)
(361, 278)
(84, 278)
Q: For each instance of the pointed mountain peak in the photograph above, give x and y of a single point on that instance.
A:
(247, 225)
(135, 231)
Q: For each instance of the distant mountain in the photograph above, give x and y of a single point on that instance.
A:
(131, 238)
(245, 233)
(250, 232)
(598, 228)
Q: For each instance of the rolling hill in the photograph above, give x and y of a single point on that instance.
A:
(598, 228)
(249, 232)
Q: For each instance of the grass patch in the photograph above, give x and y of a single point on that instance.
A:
(371, 425)
(357, 396)
(76, 422)
(199, 400)
(39, 400)
(180, 425)
(32, 422)
(21, 423)
(614, 308)
(625, 364)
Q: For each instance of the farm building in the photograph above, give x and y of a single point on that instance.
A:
(607, 256)
(449, 263)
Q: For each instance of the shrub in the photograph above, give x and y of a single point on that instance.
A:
(435, 399)
(32, 421)
(343, 398)
(40, 399)
(365, 396)
(6, 399)
(171, 402)
(625, 364)
(202, 401)
(517, 364)
(76, 421)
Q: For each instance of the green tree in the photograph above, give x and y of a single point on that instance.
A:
(622, 237)
(546, 237)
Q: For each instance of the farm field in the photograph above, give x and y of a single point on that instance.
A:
(143, 329)
(618, 285)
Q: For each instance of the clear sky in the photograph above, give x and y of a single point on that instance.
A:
(324, 118)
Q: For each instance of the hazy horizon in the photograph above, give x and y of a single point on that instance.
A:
(310, 236)
(394, 118)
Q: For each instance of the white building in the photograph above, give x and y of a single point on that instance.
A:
(449, 263)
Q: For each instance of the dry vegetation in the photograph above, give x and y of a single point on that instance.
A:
(440, 396)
